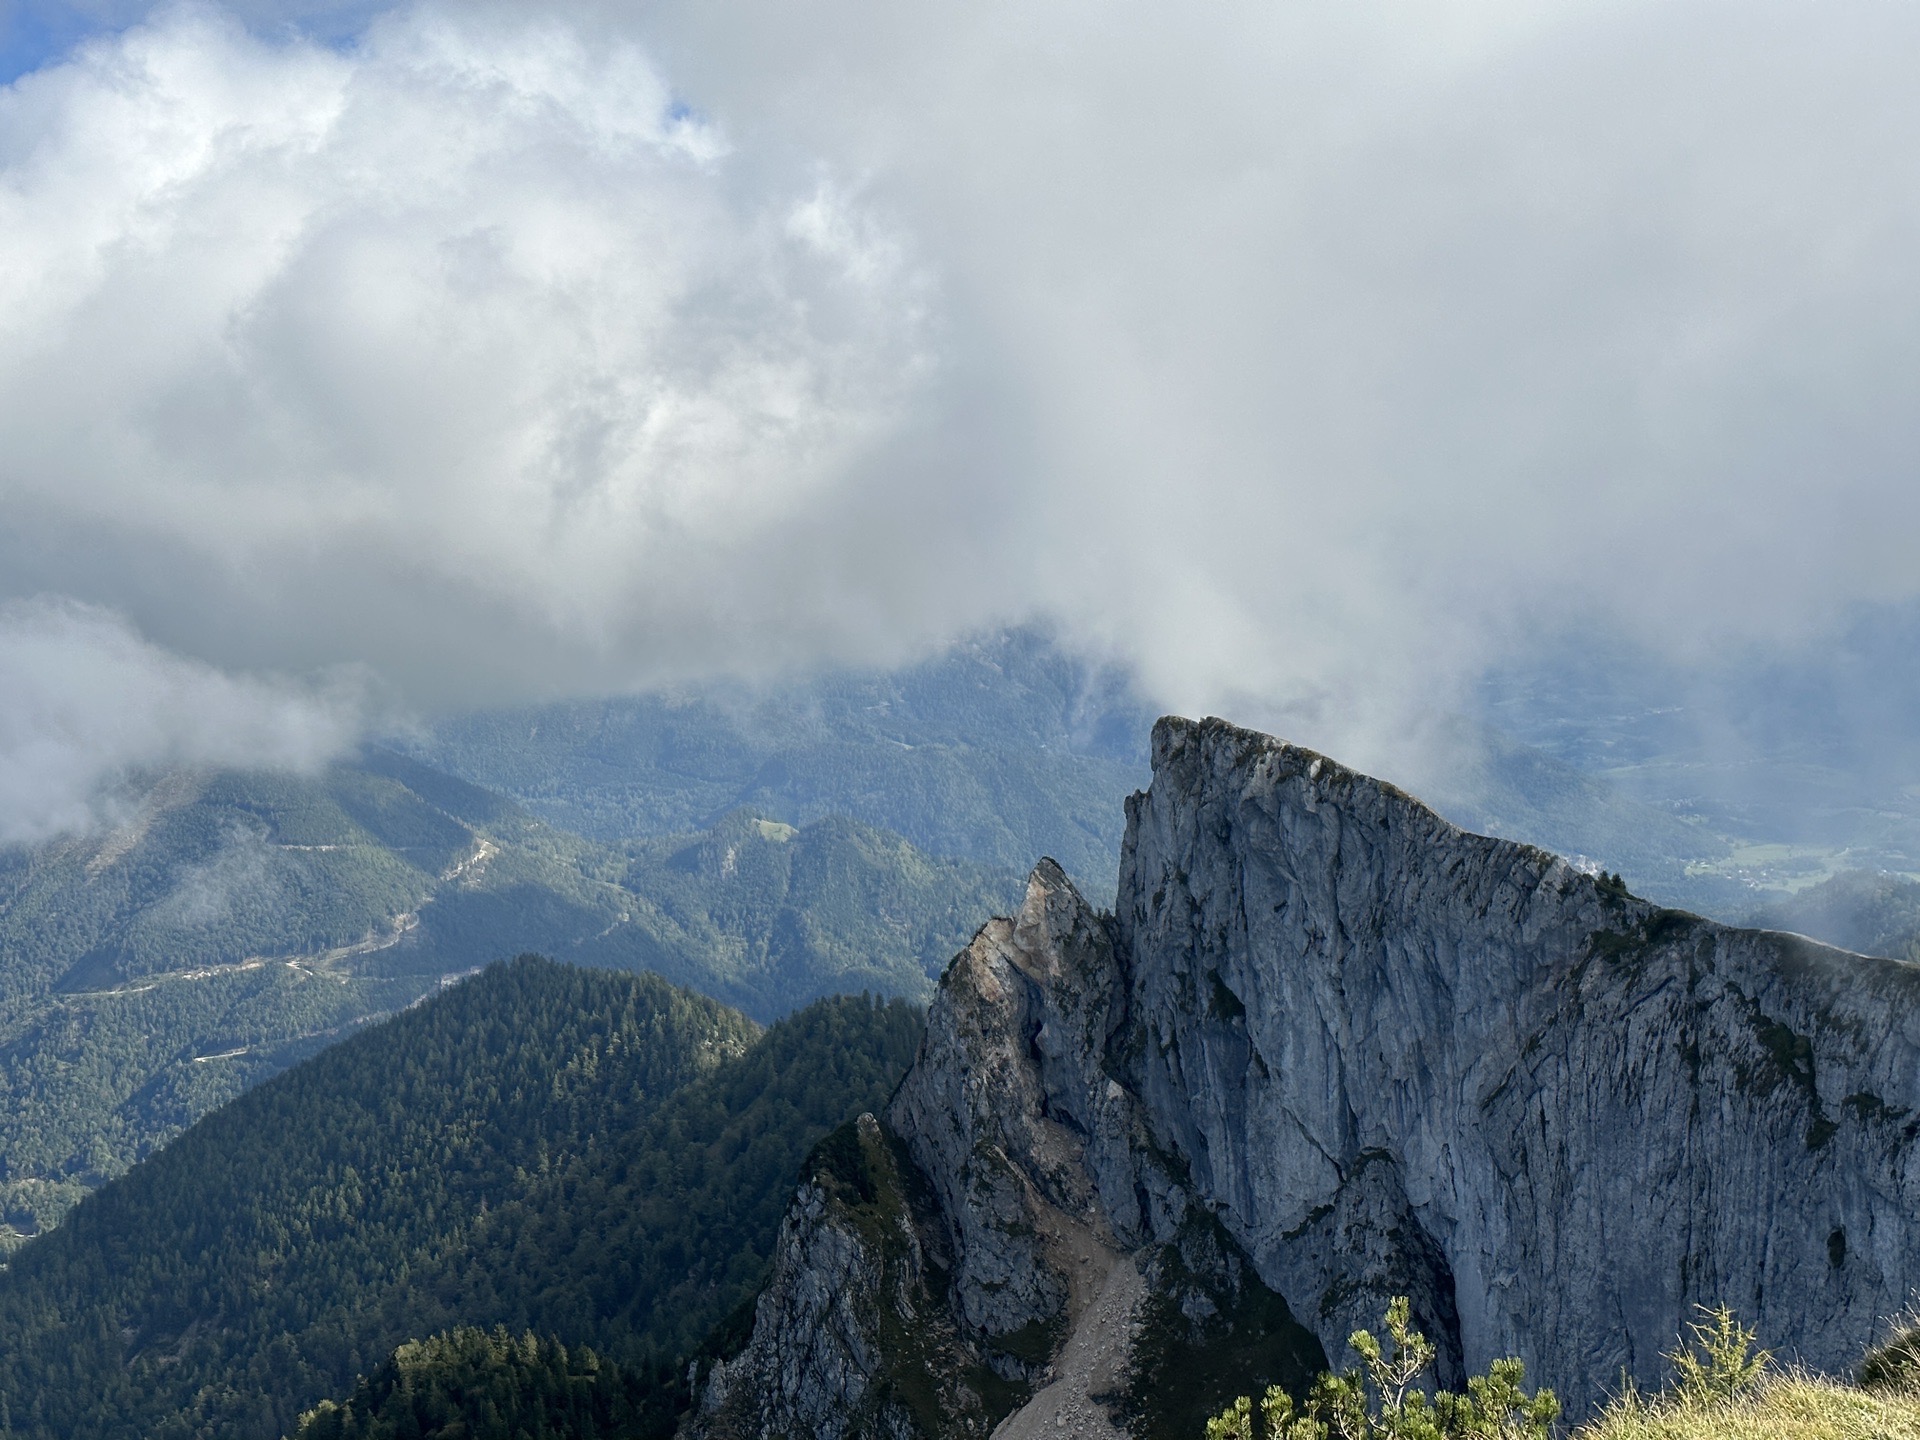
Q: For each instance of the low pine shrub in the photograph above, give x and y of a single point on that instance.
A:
(1716, 1360)
(1723, 1388)
(1382, 1399)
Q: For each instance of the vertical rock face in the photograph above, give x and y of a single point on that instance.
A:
(1332, 1049)
(1397, 1056)
(1013, 1113)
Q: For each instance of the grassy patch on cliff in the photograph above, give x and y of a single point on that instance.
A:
(1724, 1390)
(932, 1381)
(1787, 1407)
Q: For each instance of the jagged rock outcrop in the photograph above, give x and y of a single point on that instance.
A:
(1019, 1237)
(1332, 1047)
(852, 1336)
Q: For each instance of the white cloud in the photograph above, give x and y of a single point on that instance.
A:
(1353, 342)
(86, 703)
(461, 351)
(1311, 355)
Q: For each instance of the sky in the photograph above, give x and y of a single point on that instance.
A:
(1311, 358)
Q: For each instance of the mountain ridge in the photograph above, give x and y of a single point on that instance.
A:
(993, 750)
(1331, 1048)
(235, 923)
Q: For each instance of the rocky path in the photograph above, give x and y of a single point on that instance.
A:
(1092, 1364)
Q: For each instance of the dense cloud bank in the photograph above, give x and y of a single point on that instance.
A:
(462, 352)
(1308, 356)
(1358, 342)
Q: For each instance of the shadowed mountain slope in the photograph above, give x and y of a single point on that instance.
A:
(596, 1156)
(997, 751)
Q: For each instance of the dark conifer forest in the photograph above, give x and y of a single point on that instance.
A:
(597, 1158)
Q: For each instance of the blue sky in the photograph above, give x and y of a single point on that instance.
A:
(35, 32)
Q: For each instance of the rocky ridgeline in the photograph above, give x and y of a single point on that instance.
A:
(1331, 1049)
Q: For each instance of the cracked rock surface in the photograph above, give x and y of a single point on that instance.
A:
(1401, 1058)
(1372, 1055)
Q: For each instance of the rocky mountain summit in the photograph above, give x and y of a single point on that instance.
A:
(1330, 1049)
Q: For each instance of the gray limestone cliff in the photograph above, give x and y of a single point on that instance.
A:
(852, 1335)
(1330, 1049)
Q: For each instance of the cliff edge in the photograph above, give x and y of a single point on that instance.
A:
(1329, 1049)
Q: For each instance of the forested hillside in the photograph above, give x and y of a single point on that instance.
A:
(238, 922)
(772, 916)
(1000, 751)
(597, 1157)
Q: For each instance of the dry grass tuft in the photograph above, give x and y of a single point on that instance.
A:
(1785, 1406)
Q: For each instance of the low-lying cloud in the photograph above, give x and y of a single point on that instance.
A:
(1310, 357)
(87, 705)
